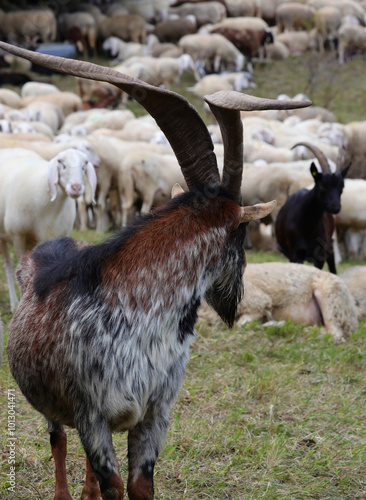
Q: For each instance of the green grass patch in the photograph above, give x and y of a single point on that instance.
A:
(264, 413)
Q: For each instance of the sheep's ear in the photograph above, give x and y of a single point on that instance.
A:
(315, 172)
(177, 190)
(92, 178)
(53, 177)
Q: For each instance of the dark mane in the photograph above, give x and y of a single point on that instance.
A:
(62, 261)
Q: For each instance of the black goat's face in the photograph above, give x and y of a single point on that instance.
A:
(329, 188)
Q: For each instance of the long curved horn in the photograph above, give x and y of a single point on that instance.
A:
(226, 106)
(180, 122)
(324, 164)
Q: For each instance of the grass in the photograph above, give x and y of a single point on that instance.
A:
(264, 413)
(272, 413)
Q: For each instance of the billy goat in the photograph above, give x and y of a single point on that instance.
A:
(101, 336)
(305, 224)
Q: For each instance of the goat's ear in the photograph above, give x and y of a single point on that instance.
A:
(254, 212)
(53, 177)
(315, 172)
(177, 190)
(92, 178)
(344, 172)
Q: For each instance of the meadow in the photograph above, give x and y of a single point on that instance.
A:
(275, 413)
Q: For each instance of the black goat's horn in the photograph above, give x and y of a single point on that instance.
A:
(324, 164)
(226, 106)
(180, 122)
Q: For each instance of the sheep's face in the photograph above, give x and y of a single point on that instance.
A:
(67, 170)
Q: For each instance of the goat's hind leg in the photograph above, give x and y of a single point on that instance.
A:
(96, 439)
(144, 444)
(58, 442)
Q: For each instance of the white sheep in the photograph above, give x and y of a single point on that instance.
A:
(298, 42)
(162, 70)
(37, 200)
(38, 88)
(148, 177)
(112, 119)
(205, 13)
(67, 101)
(327, 22)
(215, 51)
(121, 50)
(225, 81)
(296, 292)
(352, 39)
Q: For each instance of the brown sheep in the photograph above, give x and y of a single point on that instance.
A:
(248, 41)
(172, 30)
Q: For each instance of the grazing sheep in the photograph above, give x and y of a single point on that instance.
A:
(162, 70)
(29, 26)
(294, 16)
(121, 50)
(204, 13)
(250, 42)
(113, 357)
(355, 280)
(129, 28)
(172, 30)
(37, 200)
(215, 51)
(352, 41)
(85, 22)
(327, 23)
(285, 291)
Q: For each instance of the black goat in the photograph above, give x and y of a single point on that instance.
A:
(101, 335)
(305, 223)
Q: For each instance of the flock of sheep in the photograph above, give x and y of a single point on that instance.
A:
(128, 161)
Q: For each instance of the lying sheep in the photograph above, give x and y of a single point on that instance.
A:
(37, 200)
(297, 42)
(287, 291)
(69, 102)
(355, 280)
(225, 81)
(38, 88)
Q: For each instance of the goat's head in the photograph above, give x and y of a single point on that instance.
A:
(193, 147)
(67, 169)
(328, 185)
